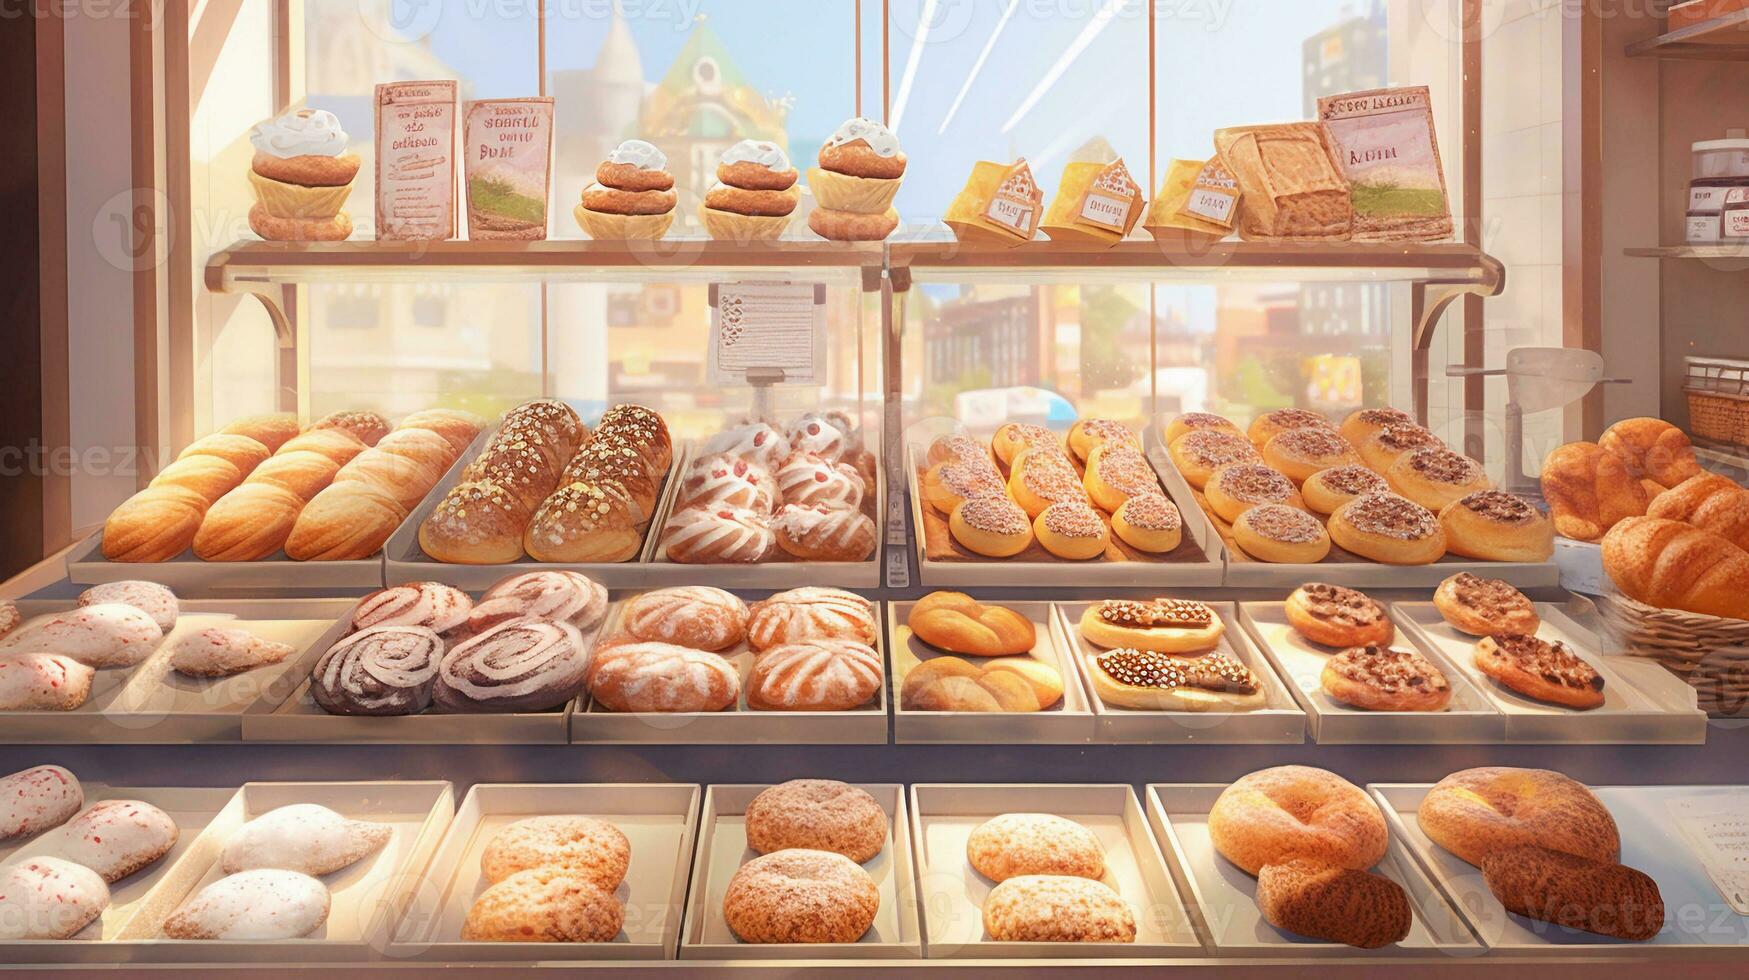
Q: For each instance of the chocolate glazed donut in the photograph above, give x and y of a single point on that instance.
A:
(380, 670)
(523, 665)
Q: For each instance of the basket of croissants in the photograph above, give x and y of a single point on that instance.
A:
(1675, 549)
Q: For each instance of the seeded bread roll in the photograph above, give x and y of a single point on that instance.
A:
(992, 526)
(1072, 531)
(1343, 905)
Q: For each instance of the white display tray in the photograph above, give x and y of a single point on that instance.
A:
(405, 561)
(1069, 721)
(952, 893)
(1696, 915)
(1643, 703)
(151, 703)
(1279, 721)
(363, 896)
(190, 808)
(897, 932)
(1194, 564)
(294, 716)
(1224, 897)
(658, 570)
(658, 819)
(867, 725)
(1469, 719)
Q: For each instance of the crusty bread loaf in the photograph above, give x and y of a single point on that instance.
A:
(347, 521)
(247, 524)
(1589, 490)
(210, 476)
(1475, 812)
(243, 452)
(1710, 502)
(1602, 897)
(272, 430)
(1652, 448)
(1323, 901)
(1671, 565)
(156, 524)
(302, 472)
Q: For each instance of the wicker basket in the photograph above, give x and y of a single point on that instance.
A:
(1718, 399)
(1710, 653)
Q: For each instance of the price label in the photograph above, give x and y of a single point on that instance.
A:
(762, 331)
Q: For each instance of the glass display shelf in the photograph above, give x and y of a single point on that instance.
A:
(1726, 253)
(1723, 38)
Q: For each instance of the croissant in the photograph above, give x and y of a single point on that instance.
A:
(1652, 448)
(1709, 502)
(1589, 490)
(1670, 565)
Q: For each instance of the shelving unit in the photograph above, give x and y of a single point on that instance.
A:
(1720, 39)
(1704, 253)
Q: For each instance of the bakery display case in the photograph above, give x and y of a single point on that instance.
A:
(884, 486)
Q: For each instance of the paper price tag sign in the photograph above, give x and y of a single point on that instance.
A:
(1716, 827)
(762, 331)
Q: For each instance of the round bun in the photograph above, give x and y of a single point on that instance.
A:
(819, 815)
(1389, 529)
(1494, 525)
(1382, 448)
(696, 616)
(1013, 684)
(1115, 473)
(957, 623)
(1149, 523)
(1480, 606)
(1339, 617)
(1329, 489)
(1237, 488)
(1271, 424)
(591, 849)
(1057, 909)
(1200, 453)
(801, 896)
(1180, 626)
(1377, 678)
(1361, 424)
(1072, 531)
(1343, 905)
(811, 613)
(1090, 434)
(1434, 476)
(1191, 422)
(1477, 812)
(544, 905)
(992, 526)
(1282, 535)
(662, 677)
(1037, 480)
(1014, 438)
(948, 484)
(815, 675)
(1016, 844)
(1297, 812)
(1299, 453)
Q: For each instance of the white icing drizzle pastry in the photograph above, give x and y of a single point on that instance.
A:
(700, 535)
(723, 480)
(808, 612)
(756, 442)
(807, 479)
(818, 436)
(827, 529)
(762, 152)
(696, 616)
(300, 133)
(640, 154)
(560, 596)
(430, 604)
(878, 137)
(380, 670)
(523, 665)
(815, 675)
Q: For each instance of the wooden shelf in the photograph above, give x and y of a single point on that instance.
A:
(1730, 254)
(1720, 39)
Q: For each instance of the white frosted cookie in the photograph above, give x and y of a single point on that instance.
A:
(49, 898)
(156, 601)
(254, 905)
(116, 838)
(109, 634)
(302, 837)
(37, 799)
(221, 652)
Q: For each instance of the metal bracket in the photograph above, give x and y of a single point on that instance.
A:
(1429, 302)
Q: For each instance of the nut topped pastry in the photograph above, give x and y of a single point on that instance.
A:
(1498, 526)
(1040, 482)
(1299, 453)
(1382, 448)
(1326, 490)
(1481, 606)
(992, 526)
(1199, 453)
(1165, 625)
(1071, 530)
(1155, 681)
(1115, 473)
(1149, 523)
(1235, 489)
(1281, 534)
(1362, 423)
(1434, 476)
(1539, 669)
(1337, 616)
(1376, 678)
(1390, 529)
(1271, 424)
(1190, 422)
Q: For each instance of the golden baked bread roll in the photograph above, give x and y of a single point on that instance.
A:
(1071, 531)
(1013, 438)
(1115, 473)
(1494, 525)
(1709, 502)
(156, 524)
(1039, 479)
(1671, 565)
(272, 430)
(1299, 453)
(423, 445)
(1280, 534)
(302, 472)
(1200, 453)
(1343, 905)
(947, 485)
(1149, 523)
(369, 427)
(611, 458)
(1191, 422)
(1434, 476)
(1090, 434)
(1271, 424)
(339, 445)
(247, 524)
(1476, 812)
(1588, 490)
(1326, 490)
(1362, 423)
(240, 451)
(1653, 449)
(209, 476)
(992, 526)
(1389, 529)
(957, 623)
(457, 427)
(403, 479)
(1382, 448)
(1235, 489)
(1291, 813)
(585, 522)
(1019, 684)
(347, 521)
(523, 467)
(476, 523)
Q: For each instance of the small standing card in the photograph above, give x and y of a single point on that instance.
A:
(1716, 827)
(1016, 203)
(1214, 196)
(1385, 144)
(508, 154)
(415, 166)
(1113, 200)
(768, 332)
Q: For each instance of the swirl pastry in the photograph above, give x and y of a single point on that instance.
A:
(380, 670)
(821, 533)
(432, 605)
(755, 442)
(728, 481)
(695, 616)
(808, 479)
(585, 523)
(816, 435)
(663, 677)
(811, 613)
(561, 596)
(815, 675)
(713, 535)
(524, 665)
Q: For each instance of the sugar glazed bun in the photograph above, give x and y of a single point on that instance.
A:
(1340, 617)
(1149, 523)
(1282, 535)
(1477, 812)
(1057, 909)
(817, 814)
(588, 847)
(544, 905)
(1389, 529)
(992, 526)
(1015, 844)
(957, 623)
(1497, 526)
(801, 896)
(1297, 812)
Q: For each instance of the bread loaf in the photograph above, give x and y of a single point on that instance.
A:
(476, 523)
(1589, 490)
(1652, 448)
(405, 479)
(272, 431)
(345, 522)
(248, 524)
(1709, 502)
(242, 452)
(1343, 905)
(156, 524)
(457, 427)
(302, 472)
(1577, 892)
(209, 476)
(1671, 565)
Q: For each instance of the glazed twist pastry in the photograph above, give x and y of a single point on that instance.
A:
(811, 613)
(695, 616)
(727, 481)
(815, 675)
(561, 596)
(808, 480)
(816, 435)
(524, 665)
(380, 670)
(821, 533)
(755, 442)
(712, 535)
(663, 677)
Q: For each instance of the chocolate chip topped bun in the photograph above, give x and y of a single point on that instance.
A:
(1337, 616)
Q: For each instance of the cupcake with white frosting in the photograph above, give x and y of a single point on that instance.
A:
(755, 193)
(302, 173)
(858, 177)
(632, 197)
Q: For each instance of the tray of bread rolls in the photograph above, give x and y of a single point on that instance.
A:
(130, 662)
(700, 665)
(1378, 501)
(1417, 918)
(480, 894)
(1546, 674)
(1639, 870)
(998, 864)
(544, 491)
(1175, 670)
(267, 503)
(982, 673)
(755, 842)
(426, 662)
(1027, 505)
(760, 506)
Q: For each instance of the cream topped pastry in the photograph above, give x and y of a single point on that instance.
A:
(640, 154)
(302, 173)
(302, 132)
(633, 196)
(856, 181)
(755, 192)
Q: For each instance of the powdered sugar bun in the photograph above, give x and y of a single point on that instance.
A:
(49, 898)
(43, 682)
(522, 665)
(815, 675)
(222, 652)
(801, 896)
(260, 905)
(991, 525)
(818, 814)
(156, 601)
(695, 616)
(116, 838)
(38, 799)
(303, 837)
(663, 677)
(589, 847)
(713, 535)
(108, 634)
(811, 613)
(433, 605)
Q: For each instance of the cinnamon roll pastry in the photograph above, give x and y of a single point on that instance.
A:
(820, 533)
(380, 670)
(816, 435)
(811, 613)
(663, 677)
(520, 465)
(695, 616)
(433, 605)
(755, 442)
(644, 429)
(525, 665)
(718, 535)
(477, 523)
(723, 480)
(557, 595)
(815, 675)
(808, 480)
(612, 457)
(556, 419)
(586, 523)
